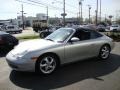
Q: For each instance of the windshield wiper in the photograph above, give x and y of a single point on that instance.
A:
(49, 39)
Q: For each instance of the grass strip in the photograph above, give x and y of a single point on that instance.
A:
(28, 37)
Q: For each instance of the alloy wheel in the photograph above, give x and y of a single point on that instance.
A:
(47, 65)
(105, 51)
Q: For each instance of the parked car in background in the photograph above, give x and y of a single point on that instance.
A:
(107, 28)
(12, 29)
(1, 24)
(47, 32)
(91, 26)
(7, 41)
(64, 45)
(115, 28)
(101, 28)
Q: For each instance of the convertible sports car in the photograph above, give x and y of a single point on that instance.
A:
(62, 46)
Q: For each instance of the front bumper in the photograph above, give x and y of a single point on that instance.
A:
(20, 64)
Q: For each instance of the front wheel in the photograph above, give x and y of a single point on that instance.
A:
(104, 52)
(47, 64)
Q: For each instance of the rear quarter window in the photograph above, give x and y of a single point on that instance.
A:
(95, 35)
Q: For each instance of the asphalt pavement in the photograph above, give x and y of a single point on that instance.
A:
(84, 75)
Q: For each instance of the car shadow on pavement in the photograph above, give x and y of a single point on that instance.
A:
(67, 74)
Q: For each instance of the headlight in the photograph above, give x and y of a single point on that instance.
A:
(20, 55)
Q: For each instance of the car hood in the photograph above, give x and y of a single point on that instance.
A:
(32, 45)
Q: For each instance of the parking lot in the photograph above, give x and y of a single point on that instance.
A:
(84, 75)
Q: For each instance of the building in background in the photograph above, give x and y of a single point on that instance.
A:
(5, 22)
(28, 21)
(41, 16)
(20, 21)
(14, 21)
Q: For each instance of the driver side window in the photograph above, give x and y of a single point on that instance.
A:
(82, 35)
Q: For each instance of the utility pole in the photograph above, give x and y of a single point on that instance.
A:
(100, 10)
(105, 18)
(64, 12)
(47, 14)
(80, 7)
(79, 13)
(89, 7)
(22, 17)
(78, 19)
(96, 13)
(110, 17)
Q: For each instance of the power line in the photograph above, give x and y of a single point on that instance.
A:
(44, 5)
(50, 6)
(8, 12)
(40, 4)
(29, 3)
(66, 4)
(36, 4)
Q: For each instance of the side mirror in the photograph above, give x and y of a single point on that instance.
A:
(74, 39)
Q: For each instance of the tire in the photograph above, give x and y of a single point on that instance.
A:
(20, 32)
(42, 35)
(104, 52)
(47, 64)
(102, 30)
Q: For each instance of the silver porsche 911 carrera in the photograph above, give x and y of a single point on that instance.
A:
(62, 46)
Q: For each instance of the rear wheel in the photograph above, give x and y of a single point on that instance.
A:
(104, 52)
(42, 35)
(47, 64)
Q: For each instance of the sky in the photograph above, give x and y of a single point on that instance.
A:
(11, 8)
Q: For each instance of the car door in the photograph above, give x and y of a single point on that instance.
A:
(87, 47)
(79, 49)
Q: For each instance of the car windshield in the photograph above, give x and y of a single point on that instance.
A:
(114, 25)
(10, 27)
(60, 35)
